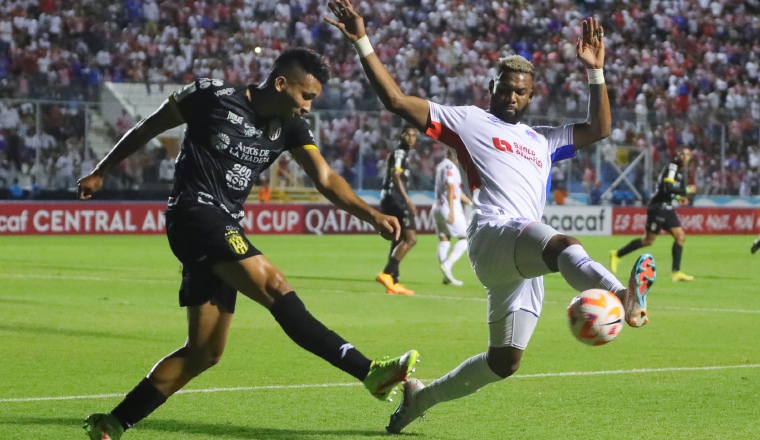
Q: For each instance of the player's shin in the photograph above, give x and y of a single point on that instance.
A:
(306, 331)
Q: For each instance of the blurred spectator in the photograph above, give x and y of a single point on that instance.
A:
(15, 191)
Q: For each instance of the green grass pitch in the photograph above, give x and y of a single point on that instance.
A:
(84, 318)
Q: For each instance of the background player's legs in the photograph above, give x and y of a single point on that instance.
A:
(635, 244)
(444, 244)
(399, 250)
(679, 238)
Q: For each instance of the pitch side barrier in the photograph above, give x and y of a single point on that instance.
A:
(72, 218)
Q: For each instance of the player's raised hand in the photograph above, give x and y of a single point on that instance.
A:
(388, 226)
(350, 23)
(89, 185)
(590, 47)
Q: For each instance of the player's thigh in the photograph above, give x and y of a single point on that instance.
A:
(494, 254)
(529, 249)
(513, 330)
(441, 226)
(255, 277)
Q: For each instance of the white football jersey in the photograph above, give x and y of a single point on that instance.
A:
(508, 166)
(447, 173)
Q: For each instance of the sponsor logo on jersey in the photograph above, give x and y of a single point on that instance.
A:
(239, 177)
(251, 131)
(235, 119)
(205, 82)
(221, 141)
(532, 134)
(223, 92)
(274, 130)
(515, 148)
(236, 242)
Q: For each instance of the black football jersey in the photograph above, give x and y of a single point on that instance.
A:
(227, 145)
(670, 184)
(396, 160)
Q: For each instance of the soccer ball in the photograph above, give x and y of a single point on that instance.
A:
(595, 316)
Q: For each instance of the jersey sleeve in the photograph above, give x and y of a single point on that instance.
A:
(298, 134)
(196, 97)
(445, 121)
(560, 141)
(399, 156)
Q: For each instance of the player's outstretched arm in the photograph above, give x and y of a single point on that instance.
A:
(166, 117)
(590, 52)
(412, 108)
(336, 189)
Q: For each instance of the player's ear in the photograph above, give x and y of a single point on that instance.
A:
(279, 83)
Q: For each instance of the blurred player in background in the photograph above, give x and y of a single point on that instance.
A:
(508, 165)
(233, 134)
(395, 201)
(661, 214)
(448, 212)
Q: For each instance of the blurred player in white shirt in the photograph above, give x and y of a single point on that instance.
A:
(508, 165)
(450, 219)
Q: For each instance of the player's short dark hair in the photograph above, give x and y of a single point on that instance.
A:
(406, 127)
(300, 60)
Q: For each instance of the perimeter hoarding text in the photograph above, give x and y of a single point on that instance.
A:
(72, 218)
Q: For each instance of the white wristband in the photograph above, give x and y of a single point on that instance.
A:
(595, 76)
(363, 47)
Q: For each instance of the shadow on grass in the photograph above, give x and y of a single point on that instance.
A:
(211, 430)
(55, 331)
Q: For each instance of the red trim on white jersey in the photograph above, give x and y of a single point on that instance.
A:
(440, 133)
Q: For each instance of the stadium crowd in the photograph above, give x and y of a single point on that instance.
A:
(680, 73)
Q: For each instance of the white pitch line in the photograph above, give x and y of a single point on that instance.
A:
(353, 384)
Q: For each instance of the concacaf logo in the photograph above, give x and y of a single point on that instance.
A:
(236, 242)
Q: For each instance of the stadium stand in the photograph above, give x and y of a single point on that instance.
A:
(679, 73)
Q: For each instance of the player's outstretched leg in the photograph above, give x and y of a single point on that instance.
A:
(103, 427)
(643, 275)
(407, 410)
(385, 374)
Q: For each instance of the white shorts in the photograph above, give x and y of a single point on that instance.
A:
(457, 229)
(506, 254)
(513, 330)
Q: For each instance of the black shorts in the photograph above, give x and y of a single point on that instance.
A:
(201, 236)
(661, 217)
(397, 207)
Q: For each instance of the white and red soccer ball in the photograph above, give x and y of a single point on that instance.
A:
(595, 316)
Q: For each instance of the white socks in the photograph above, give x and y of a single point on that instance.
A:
(443, 250)
(583, 273)
(459, 249)
(472, 375)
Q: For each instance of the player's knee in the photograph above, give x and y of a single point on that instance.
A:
(681, 239)
(505, 369)
(411, 240)
(647, 241)
(504, 362)
(203, 358)
(276, 282)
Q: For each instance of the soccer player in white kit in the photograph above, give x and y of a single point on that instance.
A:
(448, 212)
(508, 168)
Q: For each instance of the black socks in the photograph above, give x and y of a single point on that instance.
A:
(306, 331)
(630, 247)
(138, 404)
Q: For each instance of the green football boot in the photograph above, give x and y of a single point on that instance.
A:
(385, 374)
(103, 427)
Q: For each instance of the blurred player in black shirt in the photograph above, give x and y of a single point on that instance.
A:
(395, 201)
(671, 187)
(233, 134)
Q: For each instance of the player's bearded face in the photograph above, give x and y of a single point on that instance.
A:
(510, 95)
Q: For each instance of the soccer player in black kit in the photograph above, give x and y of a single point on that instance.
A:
(671, 187)
(233, 134)
(395, 201)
